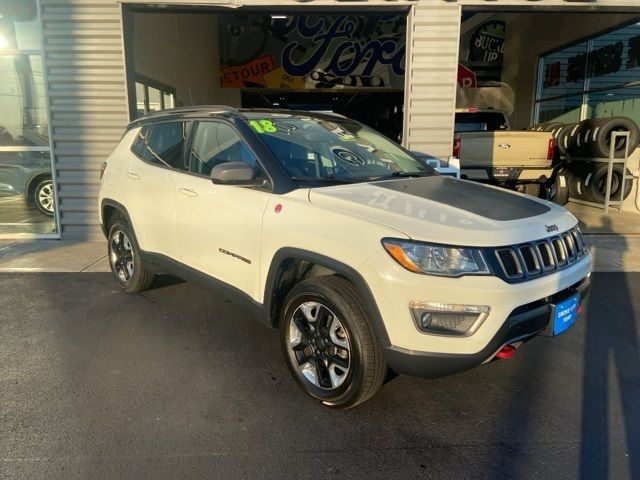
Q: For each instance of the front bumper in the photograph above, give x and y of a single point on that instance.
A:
(522, 324)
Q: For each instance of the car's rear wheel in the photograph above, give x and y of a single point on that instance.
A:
(329, 344)
(43, 196)
(125, 260)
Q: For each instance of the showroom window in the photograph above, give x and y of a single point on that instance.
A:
(598, 77)
(27, 190)
(153, 96)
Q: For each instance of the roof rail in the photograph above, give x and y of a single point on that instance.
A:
(194, 108)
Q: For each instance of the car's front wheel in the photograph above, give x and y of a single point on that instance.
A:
(125, 260)
(43, 196)
(329, 343)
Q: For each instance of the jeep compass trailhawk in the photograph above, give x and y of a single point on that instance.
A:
(363, 257)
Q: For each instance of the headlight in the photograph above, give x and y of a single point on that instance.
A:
(436, 259)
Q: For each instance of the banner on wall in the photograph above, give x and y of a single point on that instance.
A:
(312, 51)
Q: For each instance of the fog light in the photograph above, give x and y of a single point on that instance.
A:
(425, 320)
(448, 319)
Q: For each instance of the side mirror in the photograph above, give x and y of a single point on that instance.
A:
(233, 173)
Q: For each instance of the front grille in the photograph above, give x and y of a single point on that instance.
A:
(531, 260)
(509, 263)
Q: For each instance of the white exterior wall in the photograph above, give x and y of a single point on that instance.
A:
(87, 89)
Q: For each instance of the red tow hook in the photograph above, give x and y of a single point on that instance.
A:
(507, 351)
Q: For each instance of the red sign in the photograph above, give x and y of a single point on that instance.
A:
(248, 75)
(466, 78)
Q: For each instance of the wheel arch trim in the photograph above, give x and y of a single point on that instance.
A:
(350, 273)
(34, 179)
(107, 202)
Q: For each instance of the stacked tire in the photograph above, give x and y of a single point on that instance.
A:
(580, 178)
(592, 137)
(588, 181)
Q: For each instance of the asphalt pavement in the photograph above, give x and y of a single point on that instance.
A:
(179, 383)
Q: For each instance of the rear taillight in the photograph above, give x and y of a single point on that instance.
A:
(457, 144)
(103, 167)
(551, 147)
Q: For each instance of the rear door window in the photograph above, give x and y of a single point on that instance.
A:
(165, 145)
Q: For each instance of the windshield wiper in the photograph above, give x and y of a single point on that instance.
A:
(401, 174)
(326, 179)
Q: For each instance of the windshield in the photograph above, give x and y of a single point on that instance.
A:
(320, 150)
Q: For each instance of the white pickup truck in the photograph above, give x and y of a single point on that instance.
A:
(490, 152)
(361, 255)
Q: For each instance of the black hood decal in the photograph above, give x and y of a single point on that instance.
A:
(471, 197)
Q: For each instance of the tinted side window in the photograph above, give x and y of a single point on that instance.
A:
(215, 143)
(165, 145)
(140, 142)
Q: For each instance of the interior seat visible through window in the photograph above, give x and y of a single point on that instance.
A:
(216, 143)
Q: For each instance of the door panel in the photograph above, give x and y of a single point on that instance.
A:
(219, 229)
(152, 196)
(158, 158)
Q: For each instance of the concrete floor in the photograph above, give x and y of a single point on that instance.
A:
(594, 221)
(178, 383)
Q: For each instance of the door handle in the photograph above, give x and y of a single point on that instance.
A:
(133, 176)
(187, 192)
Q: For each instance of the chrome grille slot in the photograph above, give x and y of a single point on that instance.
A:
(530, 259)
(546, 255)
(577, 240)
(559, 250)
(509, 262)
(570, 245)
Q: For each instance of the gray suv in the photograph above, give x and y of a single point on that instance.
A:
(28, 174)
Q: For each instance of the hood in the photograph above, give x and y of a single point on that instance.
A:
(444, 210)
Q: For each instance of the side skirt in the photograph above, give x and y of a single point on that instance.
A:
(159, 264)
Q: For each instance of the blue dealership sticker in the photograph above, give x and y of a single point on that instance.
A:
(565, 314)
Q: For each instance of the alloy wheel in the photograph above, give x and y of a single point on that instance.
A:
(121, 255)
(320, 345)
(45, 197)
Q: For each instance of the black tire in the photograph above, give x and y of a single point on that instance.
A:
(124, 258)
(43, 197)
(563, 136)
(576, 173)
(551, 126)
(596, 180)
(579, 142)
(307, 349)
(601, 143)
(560, 189)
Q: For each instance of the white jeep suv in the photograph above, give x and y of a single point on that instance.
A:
(363, 257)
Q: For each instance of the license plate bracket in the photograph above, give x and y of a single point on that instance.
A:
(564, 314)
